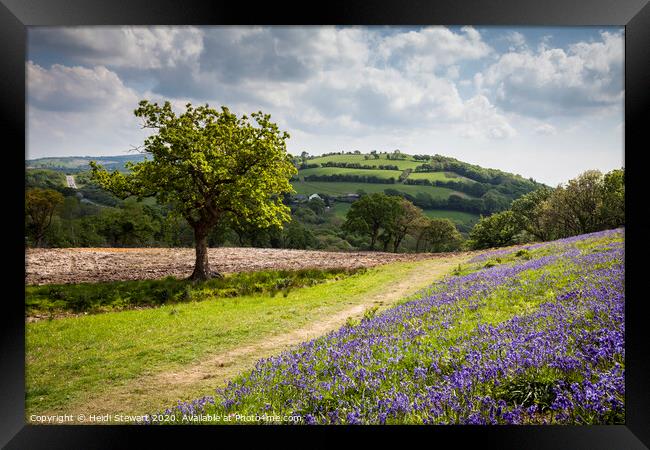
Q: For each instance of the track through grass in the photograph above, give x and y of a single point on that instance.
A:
(130, 361)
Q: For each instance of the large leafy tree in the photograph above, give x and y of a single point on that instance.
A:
(612, 213)
(405, 221)
(437, 235)
(574, 209)
(371, 214)
(208, 165)
(497, 230)
(39, 208)
(590, 202)
(530, 211)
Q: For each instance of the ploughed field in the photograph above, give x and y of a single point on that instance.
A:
(78, 265)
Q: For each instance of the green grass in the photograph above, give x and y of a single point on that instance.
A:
(439, 176)
(340, 209)
(402, 164)
(384, 174)
(343, 188)
(72, 359)
(457, 216)
(107, 296)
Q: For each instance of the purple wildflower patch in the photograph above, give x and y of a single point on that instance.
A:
(534, 341)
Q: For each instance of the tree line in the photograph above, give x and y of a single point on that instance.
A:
(388, 220)
(351, 178)
(590, 202)
(352, 165)
(439, 163)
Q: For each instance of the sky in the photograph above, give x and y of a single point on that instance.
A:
(546, 103)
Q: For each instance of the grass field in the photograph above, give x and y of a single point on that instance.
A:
(71, 362)
(459, 216)
(384, 174)
(342, 188)
(340, 209)
(439, 176)
(52, 299)
(402, 164)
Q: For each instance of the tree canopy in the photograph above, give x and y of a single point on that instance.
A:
(437, 235)
(588, 203)
(208, 165)
(371, 214)
(497, 230)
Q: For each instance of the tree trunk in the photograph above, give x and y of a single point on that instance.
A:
(398, 241)
(202, 266)
(373, 239)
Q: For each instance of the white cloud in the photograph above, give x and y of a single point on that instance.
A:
(80, 110)
(588, 78)
(516, 40)
(545, 129)
(482, 120)
(601, 57)
(124, 47)
(281, 53)
(425, 50)
(453, 72)
(388, 99)
(62, 88)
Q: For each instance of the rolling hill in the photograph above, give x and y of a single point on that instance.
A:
(441, 186)
(72, 164)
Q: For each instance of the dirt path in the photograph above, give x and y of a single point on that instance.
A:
(154, 392)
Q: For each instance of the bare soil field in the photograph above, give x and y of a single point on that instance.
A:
(77, 265)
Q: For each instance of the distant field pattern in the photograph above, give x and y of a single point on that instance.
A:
(343, 188)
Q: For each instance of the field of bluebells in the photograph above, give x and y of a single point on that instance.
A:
(526, 335)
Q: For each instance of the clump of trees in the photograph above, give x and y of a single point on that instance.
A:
(350, 178)
(437, 235)
(439, 163)
(390, 219)
(353, 165)
(588, 203)
(497, 230)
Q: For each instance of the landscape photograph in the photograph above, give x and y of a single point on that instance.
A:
(325, 225)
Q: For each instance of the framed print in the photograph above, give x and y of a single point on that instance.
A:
(370, 218)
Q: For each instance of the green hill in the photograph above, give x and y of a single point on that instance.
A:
(442, 186)
(439, 176)
(72, 164)
(379, 174)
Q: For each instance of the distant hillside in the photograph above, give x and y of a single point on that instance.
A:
(432, 182)
(72, 164)
(441, 186)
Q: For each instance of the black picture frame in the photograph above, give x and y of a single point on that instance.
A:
(16, 15)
